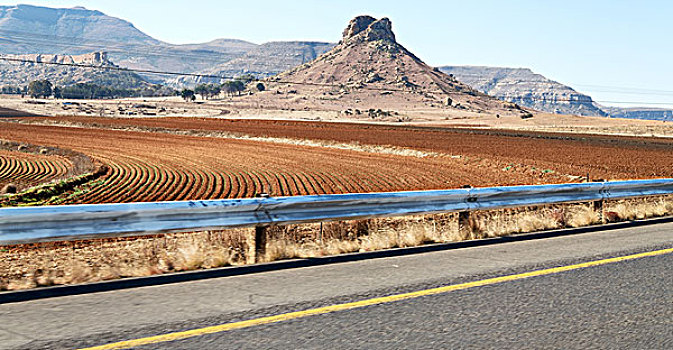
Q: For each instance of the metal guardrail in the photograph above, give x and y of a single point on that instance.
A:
(35, 224)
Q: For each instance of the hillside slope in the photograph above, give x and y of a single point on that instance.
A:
(522, 86)
(264, 60)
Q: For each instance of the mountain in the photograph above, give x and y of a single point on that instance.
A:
(14, 73)
(30, 29)
(368, 69)
(27, 29)
(522, 86)
(263, 60)
(188, 58)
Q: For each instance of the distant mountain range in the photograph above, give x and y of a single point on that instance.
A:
(27, 29)
(34, 30)
(532, 90)
(263, 60)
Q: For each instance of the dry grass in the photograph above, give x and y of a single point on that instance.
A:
(299, 241)
(89, 261)
(97, 260)
(633, 209)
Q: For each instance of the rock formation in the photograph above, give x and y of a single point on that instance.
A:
(92, 59)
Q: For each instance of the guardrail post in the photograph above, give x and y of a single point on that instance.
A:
(257, 244)
(464, 226)
(598, 208)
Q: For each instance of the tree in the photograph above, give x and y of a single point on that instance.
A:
(187, 94)
(40, 88)
(214, 90)
(202, 89)
(246, 78)
(260, 87)
(233, 86)
(57, 92)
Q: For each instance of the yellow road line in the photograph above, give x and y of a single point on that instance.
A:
(358, 304)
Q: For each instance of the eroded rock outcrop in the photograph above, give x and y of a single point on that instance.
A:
(94, 58)
(367, 28)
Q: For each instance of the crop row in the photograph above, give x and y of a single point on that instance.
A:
(132, 179)
(30, 169)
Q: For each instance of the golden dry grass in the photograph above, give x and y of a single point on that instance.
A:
(91, 261)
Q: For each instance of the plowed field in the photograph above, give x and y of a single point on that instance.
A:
(157, 164)
(25, 169)
(608, 157)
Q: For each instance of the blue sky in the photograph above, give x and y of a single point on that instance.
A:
(614, 50)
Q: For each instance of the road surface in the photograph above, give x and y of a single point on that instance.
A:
(455, 298)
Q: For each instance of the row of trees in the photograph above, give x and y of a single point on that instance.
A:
(45, 89)
(230, 87)
(13, 90)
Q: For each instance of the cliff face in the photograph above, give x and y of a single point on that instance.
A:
(20, 74)
(528, 89)
(640, 113)
(94, 58)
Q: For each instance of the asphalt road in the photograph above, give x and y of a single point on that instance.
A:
(627, 304)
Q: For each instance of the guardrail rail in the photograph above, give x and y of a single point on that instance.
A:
(70, 222)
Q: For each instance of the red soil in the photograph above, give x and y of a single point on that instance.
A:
(608, 157)
(159, 166)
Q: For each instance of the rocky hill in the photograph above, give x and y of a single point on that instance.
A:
(522, 86)
(262, 61)
(368, 69)
(20, 74)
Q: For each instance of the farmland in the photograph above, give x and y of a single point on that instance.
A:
(152, 159)
(25, 169)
